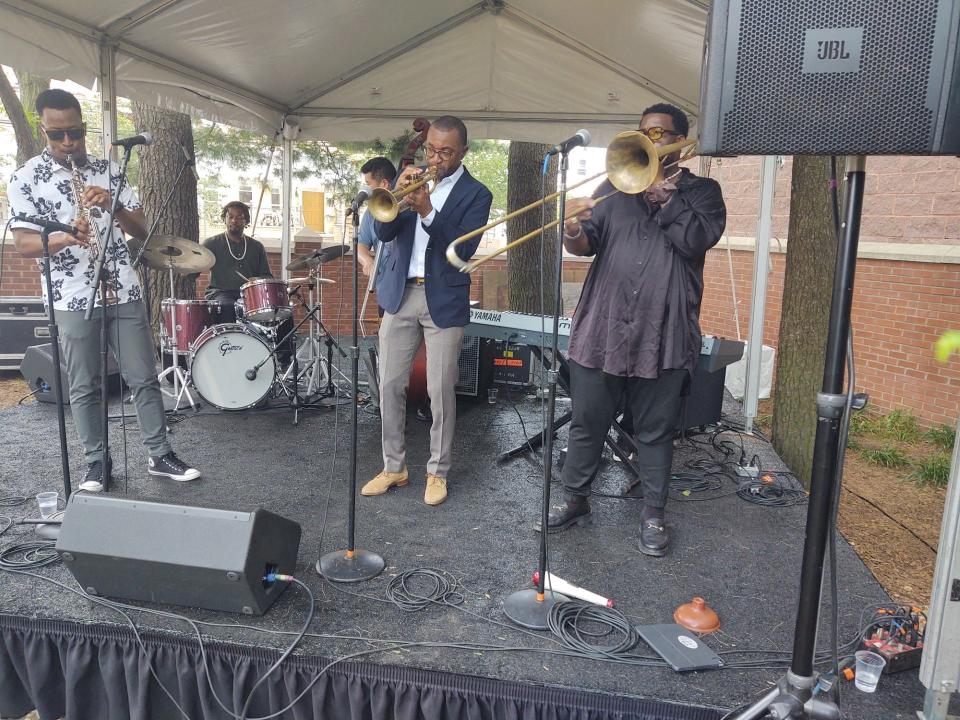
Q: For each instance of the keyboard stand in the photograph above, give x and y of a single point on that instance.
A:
(623, 446)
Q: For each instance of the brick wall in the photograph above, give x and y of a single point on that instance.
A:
(899, 310)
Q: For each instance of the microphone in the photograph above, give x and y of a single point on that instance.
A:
(127, 143)
(580, 138)
(51, 225)
(359, 200)
(191, 161)
(251, 374)
(558, 584)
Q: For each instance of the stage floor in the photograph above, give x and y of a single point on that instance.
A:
(744, 559)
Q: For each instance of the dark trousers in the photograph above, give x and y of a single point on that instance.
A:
(655, 406)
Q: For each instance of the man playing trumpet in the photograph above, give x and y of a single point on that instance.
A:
(426, 300)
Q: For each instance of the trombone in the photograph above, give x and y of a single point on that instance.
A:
(385, 204)
(632, 164)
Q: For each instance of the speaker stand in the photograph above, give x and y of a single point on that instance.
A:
(794, 695)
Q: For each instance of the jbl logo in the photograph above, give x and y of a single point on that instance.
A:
(832, 50)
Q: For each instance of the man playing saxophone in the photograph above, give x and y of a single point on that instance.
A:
(65, 185)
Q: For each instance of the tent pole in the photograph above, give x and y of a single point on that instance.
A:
(761, 271)
(287, 204)
(108, 94)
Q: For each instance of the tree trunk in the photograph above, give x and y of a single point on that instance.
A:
(20, 111)
(807, 287)
(159, 165)
(524, 186)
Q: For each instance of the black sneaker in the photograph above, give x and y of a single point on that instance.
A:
(654, 539)
(172, 467)
(93, 482)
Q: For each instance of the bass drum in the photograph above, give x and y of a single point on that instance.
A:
(220, 359)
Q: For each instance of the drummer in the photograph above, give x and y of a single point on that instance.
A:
(238, 256)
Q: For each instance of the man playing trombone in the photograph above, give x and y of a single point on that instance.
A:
(425, 299)
(635, 337)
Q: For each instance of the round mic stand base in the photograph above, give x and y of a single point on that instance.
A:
(346, 567)
(527, 609)
(792, 698)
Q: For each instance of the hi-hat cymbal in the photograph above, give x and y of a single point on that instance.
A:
(317, 258)
(310, 279)
(184, 256)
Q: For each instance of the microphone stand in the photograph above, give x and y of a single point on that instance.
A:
(530, 608)
(55, 351)
(794, 696)
(352, 565)
(101, 285)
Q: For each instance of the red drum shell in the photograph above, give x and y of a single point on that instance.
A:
(192, 317)
(265, 301)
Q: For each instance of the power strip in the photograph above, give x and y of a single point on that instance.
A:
(748, 471)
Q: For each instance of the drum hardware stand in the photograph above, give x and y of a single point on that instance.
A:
(352, 564)
(180, 378)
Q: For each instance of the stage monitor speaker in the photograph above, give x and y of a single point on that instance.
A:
(176, 554)
(820, 77)
(37, 369)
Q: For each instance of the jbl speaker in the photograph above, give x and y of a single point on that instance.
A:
(37, 369)
(177, 554)
(821, 77)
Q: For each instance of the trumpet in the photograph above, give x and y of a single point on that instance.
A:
(632, 165)
(385, 204)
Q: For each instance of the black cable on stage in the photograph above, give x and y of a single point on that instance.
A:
(28, 555)
(441, 588)
(579, 625)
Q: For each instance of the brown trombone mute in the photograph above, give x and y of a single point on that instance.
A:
(697, 616)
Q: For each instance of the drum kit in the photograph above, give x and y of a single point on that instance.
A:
(235, 364)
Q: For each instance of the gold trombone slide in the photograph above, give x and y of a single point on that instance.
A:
(632, 165)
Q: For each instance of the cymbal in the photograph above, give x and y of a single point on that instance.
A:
(310, 279)
(183, 256)
(317, 258)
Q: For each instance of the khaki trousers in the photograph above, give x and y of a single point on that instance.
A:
(400, 337)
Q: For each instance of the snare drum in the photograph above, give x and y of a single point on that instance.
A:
(190, 318)
(221, 359)
(265, 300)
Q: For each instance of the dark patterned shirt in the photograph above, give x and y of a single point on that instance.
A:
(639, 312)
(42, 187)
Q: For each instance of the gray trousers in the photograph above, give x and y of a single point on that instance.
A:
(596, 396)
(400, 337)
(130, 339)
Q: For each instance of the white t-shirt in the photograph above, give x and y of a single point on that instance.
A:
(420, 239)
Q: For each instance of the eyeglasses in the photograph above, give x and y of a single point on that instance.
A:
(444, 153)
(72, 133)
(655, 133)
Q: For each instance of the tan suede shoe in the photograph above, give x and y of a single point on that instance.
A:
(436, 491)
(384, 481)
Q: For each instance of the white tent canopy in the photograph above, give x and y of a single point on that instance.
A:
(356, 69)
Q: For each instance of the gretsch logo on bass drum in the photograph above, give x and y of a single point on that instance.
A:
(226, 348)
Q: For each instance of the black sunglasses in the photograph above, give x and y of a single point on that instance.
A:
(72, 133)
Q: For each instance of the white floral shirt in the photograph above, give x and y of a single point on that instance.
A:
(42, 187)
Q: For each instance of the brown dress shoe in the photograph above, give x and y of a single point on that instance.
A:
(436, 491)
(384, 481)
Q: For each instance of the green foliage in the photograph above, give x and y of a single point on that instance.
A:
(899, 425)
(947, 344)
(943, 436)
(219, 145)
(933, 470)
(886, 457)
(487, 161)
(864, 422)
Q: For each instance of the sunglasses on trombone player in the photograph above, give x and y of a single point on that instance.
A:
(655, 133)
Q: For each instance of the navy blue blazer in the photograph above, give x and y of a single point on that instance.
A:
(448, 290)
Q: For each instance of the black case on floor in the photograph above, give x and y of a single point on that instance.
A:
(23, 322)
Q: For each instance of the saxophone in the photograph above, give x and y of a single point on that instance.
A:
(90, 215)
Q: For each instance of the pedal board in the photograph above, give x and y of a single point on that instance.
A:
(682, 650)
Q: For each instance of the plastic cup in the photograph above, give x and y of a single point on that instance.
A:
(492, 395)
(48, 504)
(869, 667)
